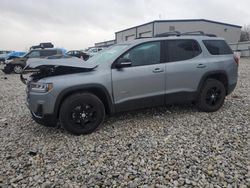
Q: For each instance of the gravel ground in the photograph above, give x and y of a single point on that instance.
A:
(161, 147)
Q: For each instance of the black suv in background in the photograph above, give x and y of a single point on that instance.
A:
(18, 64)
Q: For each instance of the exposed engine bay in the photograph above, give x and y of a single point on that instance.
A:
(39, 69)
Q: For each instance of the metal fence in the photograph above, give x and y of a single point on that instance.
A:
(242, 47)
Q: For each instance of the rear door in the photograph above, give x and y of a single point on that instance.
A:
(184, 68)
(142, 84)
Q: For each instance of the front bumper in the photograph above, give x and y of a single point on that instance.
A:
(48, 120)
(40, 103)
(41, 108)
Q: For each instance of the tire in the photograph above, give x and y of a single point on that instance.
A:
(212, 96)
(7, 69)
(18, 69)
(81, 113)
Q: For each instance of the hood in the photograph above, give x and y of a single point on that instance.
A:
(42, 68)
(57, 61)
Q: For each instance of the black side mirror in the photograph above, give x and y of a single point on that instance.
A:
(123, 62)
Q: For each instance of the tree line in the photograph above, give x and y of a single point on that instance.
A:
(245, 33)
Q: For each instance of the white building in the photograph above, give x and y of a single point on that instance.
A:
(242, 47)
(228, 31)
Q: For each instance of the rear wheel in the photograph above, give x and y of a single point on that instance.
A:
(18, 69)
(81, 113)
(212, 96)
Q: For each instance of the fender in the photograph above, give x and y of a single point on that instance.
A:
(211, 73)
(85, 87)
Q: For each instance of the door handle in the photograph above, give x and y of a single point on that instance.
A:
(157, 70)
(201, 66)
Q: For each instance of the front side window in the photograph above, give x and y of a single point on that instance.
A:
(34, 54)
(144, 54)
(217, 47)
(180, 50)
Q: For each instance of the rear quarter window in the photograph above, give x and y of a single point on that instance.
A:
(217, 47)
(182, 49)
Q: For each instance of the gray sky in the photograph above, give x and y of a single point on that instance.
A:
(77, 24)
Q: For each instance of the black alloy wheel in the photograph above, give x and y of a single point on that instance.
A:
(81, 113)
(212, 96)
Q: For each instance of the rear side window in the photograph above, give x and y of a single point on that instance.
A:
(217, 47)
(179, 50)
(48, 52)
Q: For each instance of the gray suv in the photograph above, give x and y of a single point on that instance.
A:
(133, 75)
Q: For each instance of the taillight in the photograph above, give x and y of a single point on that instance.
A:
(236, 59)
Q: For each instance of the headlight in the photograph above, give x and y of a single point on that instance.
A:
(40, 87)
(7, 61)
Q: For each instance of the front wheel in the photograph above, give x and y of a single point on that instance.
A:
(212, 96)
(81, 113)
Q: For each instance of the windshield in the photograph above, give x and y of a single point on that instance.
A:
(107, 54)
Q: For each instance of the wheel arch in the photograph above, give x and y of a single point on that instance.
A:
(100, 91)
(217, 75)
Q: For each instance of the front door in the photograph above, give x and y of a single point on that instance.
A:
(143, 83)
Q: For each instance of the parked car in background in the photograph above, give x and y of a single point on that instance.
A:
(17, 64)
(4, 54)
(42, 46)
(79, 54)
(137, 74)
(13, 55)
(92, 51)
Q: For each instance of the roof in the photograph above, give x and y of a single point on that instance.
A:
(183, 20)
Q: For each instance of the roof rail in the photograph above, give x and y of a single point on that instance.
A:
(194, 33)
(167, 34)
(198, 33)
(177, 33)
(211, 35)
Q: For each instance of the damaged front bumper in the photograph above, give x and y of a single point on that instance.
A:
(42, 104)
(41, 107)
(54, 67)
